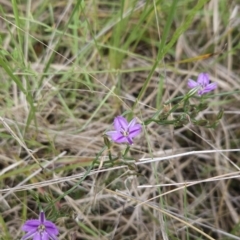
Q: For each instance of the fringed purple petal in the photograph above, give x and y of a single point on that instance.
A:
(52, 236)
(110, 133)
(129, 139)
(31, 225)
(120, 123)
(46, 236)
(200, 92)
(203, 79)
(132, 123)
(210, 87)
(192, 84)
(114, 135)
(117, 137)
(135, 130)
(42, 217)
(29, 235)
(51, 228)
(38, 236)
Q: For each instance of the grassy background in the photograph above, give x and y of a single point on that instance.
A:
(68, 68)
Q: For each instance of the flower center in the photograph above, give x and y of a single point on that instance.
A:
(41, 228)
(124, 132)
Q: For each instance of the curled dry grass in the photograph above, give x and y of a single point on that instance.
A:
(81, 73)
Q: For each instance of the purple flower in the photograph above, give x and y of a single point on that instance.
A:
(40, 229)
(124, 131)
(202, 84)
